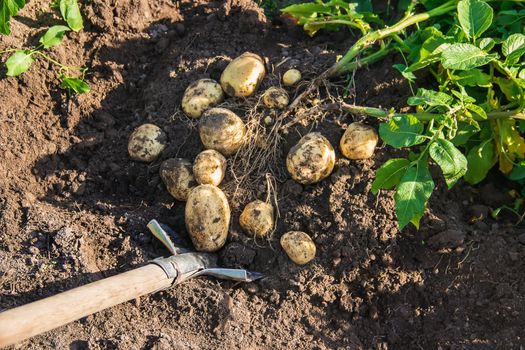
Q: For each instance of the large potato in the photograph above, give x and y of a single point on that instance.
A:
(359, 141)
(177, 176)
(201, 95)
(207, 217)
(222, 130)
(298, 246)
(275, 97)
(209, 167)
(146, 143)
(257, 218)
(311, 159)
(243, 75)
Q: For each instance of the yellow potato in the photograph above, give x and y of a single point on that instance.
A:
(298, 246)
(207, 217)
(311, 160)
(146, 143)
(177, 176)
(222, 130)
(201, 95)
(291, 77)
(275, 97)
(257, 218)
(243, 75)
(359, 141)
(209, 167)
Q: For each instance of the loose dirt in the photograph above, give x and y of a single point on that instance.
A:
(74, 207)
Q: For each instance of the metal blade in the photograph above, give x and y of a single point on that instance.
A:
(232, 274)
(168, 237)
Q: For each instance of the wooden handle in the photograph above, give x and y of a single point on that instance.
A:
(40, 316)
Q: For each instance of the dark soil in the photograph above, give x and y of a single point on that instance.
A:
(73, 206)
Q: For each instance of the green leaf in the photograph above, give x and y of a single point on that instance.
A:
(430, 98)
(486, 44)
(452, 162)
(306, 10)
(473, 77)
(19, 62)
(412, 194)
(517, 173)
(513, 48)
(389, 174)
(509, 88)
(8, 9)
(464, 132)
(402, 131)
(475, 17)
(53, 36)
(477, 109)
(481, 159)
(74, 84)
(403, 70)
(465, 57)
(71, 13)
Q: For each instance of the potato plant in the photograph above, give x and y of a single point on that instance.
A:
(20, 60)
(472, 115)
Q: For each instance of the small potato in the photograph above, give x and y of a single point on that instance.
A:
(222, 130)
(146, 143)
(311, 160)
(207, 217)
(275, 97)
(209, 167)
(257, 218)
(201, 95)
(359, 141)
(243, 75)
(298, 246)
(177, 176)
(291, 77)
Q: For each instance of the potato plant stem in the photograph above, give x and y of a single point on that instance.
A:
(425, 116)
(369, 39)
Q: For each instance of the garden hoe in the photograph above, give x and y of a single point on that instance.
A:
(162, 273)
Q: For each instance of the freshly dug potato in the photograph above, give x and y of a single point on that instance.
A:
(291, 77)
(209, 167)
(201, 95)
(257, 218)
(311, 159)
(146, 142)
(298, 246)
(177, 176)
(243, 75)
(359, 141)
(207, 217)
(275, 97)
(222, 130)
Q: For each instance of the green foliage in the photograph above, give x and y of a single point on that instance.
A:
(8, 9)
(19, 62)
(471, 117)
(22, 59)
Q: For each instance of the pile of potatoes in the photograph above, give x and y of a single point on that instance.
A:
(222, 133)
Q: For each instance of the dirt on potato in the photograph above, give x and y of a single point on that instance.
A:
(74, 206)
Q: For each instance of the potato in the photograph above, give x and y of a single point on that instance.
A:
(243, 75)
(275, 97)
(257, 218)
(177, 175)
(207, 217)
(359, 141)
(222, 130)
(311, 159)
(209, 167)
(298, 246)
(146, 143)
(201, 95)
(291, 77)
